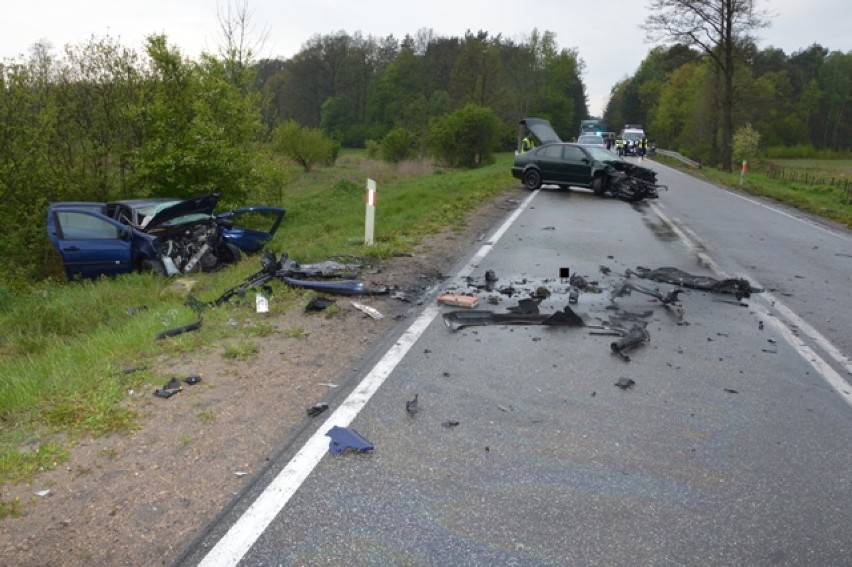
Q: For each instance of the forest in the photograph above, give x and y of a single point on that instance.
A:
(101, 121)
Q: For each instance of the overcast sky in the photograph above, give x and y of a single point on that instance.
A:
(606, 33)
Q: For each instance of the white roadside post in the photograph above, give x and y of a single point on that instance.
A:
(370, 219)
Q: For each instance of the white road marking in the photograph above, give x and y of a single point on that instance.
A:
(753, 201)
(768, 302)
(229, 550)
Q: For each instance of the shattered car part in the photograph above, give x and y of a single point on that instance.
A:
(343, 438)
(637, 335)
(169, 390)
(739, 287)
(367, 310)
(625, 287)
(525, 307)
(456, 320)
(412, 406)
(317, 409)
(458, 299)
(167, 236)
(285, 270)
(179, 330)
(319, 303)
(625, 383)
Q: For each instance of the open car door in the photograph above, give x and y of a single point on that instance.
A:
(250, 228)
(90, 243)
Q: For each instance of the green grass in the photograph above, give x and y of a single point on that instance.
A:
(823, 167)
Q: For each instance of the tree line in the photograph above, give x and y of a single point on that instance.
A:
(801, 100)
(101, 122)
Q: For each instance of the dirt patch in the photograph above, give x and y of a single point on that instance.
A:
(138, 499)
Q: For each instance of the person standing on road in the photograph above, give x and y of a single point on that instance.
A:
(643, 146)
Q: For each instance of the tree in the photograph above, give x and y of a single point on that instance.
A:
(717, 27)
(466, 137)
(305, 146)
(199, 129)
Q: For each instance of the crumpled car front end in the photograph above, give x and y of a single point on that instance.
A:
(630, 182)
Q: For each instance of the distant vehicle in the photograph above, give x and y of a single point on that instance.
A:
(592, 126)
(630, 138)
(167, 236)
(575, 165)
(592, 140)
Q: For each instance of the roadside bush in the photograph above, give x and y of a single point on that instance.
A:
(374, 149)
(347, 186)
(305, 146)
(399, 144)
(746, 144)
(465, 138)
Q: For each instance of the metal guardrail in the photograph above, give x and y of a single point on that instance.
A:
(679, 157)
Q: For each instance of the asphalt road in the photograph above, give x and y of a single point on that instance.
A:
(732, 447)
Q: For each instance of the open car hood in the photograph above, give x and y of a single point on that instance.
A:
(542, 130)
(204, 205)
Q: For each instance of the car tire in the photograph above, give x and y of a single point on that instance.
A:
(155, 266)
(532, 179)
(230, 254)
(598, 185)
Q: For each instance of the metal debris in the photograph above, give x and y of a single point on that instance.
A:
(738, 287)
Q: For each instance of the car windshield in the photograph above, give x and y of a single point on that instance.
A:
(601, 154)
(632, 136)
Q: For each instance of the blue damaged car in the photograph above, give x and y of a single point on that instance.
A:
(167, 236)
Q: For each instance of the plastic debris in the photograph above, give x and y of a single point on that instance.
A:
(366, 309)
(411, 406)
(261, 303)
(450, 423)
(240, 473)
(458, 299)
(636, 336)
(526, 306)
(43, 493)
(731, 391)
(169, 390)
(343, 438)
(625, 383)
(192, 379)
(319, 303)
(317, 409)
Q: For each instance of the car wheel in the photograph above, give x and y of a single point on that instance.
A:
(155, 266)
(598, 185)
(532, 179)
